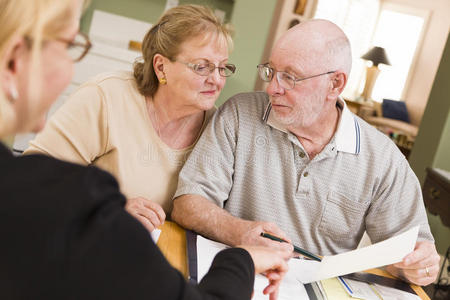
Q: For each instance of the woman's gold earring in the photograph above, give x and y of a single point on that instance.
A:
(163, 80)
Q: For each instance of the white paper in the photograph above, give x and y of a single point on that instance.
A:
(384, 253)
(155, 235)
(289, 287)
(360, 290)
(389, 293)
(207, 250)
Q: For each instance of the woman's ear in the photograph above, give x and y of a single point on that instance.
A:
(158, 65)
(11, 64)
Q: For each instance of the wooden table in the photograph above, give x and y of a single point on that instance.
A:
(172, 243)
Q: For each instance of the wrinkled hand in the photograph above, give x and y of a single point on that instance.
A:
(272, 263)
(414, 266)
(251, 235)
(149, 213)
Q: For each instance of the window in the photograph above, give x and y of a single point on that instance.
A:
(357, 18)
(398, 29)
(399, 32)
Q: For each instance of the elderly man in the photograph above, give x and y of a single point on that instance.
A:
(298, 158)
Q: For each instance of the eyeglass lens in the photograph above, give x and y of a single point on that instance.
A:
(208, 68)
(285, 80)
(78, 47)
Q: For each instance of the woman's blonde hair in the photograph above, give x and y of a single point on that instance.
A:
(176, 26)
(36, 21)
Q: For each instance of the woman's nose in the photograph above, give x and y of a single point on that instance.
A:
(215, 78)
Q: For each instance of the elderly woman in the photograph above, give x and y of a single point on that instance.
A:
(64, 231)
(141, 127)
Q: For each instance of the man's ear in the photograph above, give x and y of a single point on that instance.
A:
(12, 62)
(338, 82)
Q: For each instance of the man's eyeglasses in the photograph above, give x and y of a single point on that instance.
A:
(285, 80)
(204, 69)
(78, 47)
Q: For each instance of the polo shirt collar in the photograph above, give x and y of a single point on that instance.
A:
(347, 136)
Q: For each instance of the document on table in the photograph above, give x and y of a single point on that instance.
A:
(384, 253)
(303, 271)
(207, 249)
(155, 235)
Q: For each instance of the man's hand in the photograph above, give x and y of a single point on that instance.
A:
(420, 267)
(272, 263)
(149, 213)
(250, 234)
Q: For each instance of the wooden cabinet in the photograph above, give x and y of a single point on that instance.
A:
(436, 193)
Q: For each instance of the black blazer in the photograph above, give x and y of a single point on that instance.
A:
(65, 235)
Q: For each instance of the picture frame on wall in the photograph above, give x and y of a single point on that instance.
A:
(300, 7)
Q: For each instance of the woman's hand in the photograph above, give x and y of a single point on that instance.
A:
(149, 213)
(272, 264)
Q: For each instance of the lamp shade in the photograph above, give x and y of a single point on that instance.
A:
(377, 55)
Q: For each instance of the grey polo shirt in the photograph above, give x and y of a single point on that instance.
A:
(255, 169)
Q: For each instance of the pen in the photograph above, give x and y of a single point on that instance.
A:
(346, 286)
(296, 249)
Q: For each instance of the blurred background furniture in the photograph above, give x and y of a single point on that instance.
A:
(436, 195)
(377, 55)
(390, 117)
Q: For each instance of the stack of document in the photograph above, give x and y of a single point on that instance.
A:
(302, 272)
(207, 249)
(348, 289)
(384, 253)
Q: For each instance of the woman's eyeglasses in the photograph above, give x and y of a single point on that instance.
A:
(78, 47)
(204, 69)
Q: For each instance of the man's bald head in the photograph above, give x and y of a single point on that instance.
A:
(320, 44)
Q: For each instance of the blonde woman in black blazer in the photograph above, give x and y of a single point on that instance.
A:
(64, 232)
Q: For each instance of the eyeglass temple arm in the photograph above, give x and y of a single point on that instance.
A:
(329, 72)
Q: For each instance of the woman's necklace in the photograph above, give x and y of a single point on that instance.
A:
(156, 121)
(170, 139)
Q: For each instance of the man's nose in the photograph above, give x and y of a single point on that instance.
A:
(274, 87)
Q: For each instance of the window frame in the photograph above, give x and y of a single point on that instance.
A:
(405, 9)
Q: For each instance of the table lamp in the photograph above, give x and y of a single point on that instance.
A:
(376, 55)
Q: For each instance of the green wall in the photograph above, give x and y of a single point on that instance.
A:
(432, 145)
(442, 159)
(145, 10)
(251, 20)
(434, 123)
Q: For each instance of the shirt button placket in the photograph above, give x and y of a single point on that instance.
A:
(303, 183)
